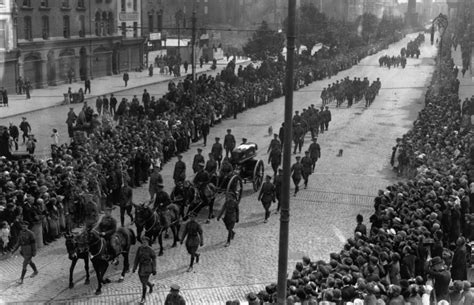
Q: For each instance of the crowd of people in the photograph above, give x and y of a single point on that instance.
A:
(417, 247)
(351, 90)
(393, 61)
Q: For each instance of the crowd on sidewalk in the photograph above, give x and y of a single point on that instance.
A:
(417, 249)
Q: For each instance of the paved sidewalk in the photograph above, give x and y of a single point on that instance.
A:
(54, 95)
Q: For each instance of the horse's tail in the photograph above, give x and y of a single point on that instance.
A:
(133, 237)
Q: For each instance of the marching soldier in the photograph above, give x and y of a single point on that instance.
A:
(216, 151)
(307, 168)
(27, 242)
(155, 179)
(314, 153)
(174, 298)
(275, 158)
(326, 117)
(145, 260)
(267, 196)
(277, 182)
(201, 181)
(198, 158)
(298, 137)
(230, 210)
(296, 173)
(229, 143)
(211, 165)
(225, 171)
(179, 173)
(193, 234)
(274, 143)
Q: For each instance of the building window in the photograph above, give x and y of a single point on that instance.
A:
(135, 5)
(81, 4)
(111, 27)
(3, 35)
(27, 3)
(104, 25)
(44, 3)
(123, 6)
(65, 3)
(150, 22)
(82, 24)
(205, 10)
(66, 27)
(97, 24)
(45, 23)
(124, 29)
(159, 21)
(28, 28)
(135, 29)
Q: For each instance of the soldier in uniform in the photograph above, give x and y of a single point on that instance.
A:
(162, 199)
(107, 227)
(277, 182)
(298, 137)
(314, 153)
(225, 172)
(217, 150)
(281, 133)
(230, 211)
(327, 117)
(296, 173)
(27, 242)
(155, 179)
(174, 298)
(275, 158)
(211, 165)
(126, 204)
(145, 260)
(198, 158)
(266, 196)
(193, 234)
(274, 143)
(229, 143)
(179, 173)
(307, 167)
(201, 180)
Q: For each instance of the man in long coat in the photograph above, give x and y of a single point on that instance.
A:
(267, 196)
(193, 234)
(145, 260)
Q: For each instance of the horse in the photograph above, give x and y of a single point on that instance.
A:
(122, 240)
(155, 223)
(77, 248)
(197, 203)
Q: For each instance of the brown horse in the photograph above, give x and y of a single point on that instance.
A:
(155, 223)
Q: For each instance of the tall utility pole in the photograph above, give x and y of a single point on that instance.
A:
(285, 189)
(193, 55)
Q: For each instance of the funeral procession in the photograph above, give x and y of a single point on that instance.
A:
(237, 152)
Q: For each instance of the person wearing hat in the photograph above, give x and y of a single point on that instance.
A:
(162, 199)
(298, 137)
(25, 128)
(145, 260)
(198, 158)
(230, 211)
(211, 165)
(441, 276)
(326, 115)
(193, 235)
(274, 143)
(174, 298)
(307, 167)
(297, 173)
(244, 141)
(107, 227)
(201, 181)
(126, 203)
(314, 152)
(229, 143)
(460, 265)
(267, 196)
(155, 180)
(217, 151)
(277, 182)
(27, 243)
(179, 173)
(205, 126)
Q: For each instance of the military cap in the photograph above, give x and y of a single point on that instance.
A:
(199, 149)
(174, 287)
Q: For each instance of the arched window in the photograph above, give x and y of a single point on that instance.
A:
(159, 20)
(97, 24)
(150, 22)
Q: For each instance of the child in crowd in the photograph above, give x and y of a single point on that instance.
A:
(4, 236)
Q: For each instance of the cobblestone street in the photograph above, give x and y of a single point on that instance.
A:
(322, 216)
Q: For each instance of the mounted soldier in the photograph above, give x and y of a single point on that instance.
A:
(107, 227)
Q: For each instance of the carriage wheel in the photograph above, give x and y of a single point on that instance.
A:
(235, 185)
(258, 173)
